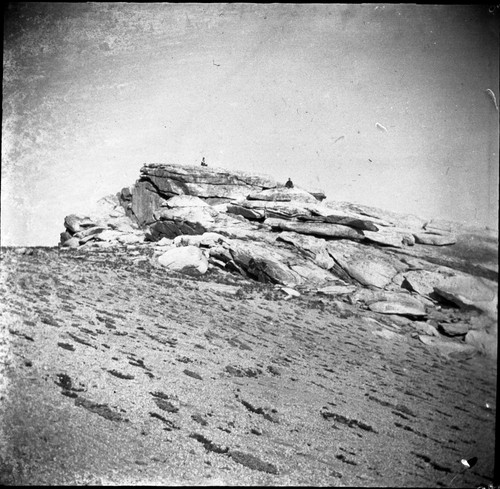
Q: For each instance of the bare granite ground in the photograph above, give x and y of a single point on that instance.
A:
(117, 372)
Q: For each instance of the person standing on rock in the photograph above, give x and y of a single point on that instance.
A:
(203, 162)
(289, 183)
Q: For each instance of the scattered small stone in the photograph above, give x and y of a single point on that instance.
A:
(166, 405)
(192, 374)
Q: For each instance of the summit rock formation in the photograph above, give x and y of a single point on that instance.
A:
(389, 263)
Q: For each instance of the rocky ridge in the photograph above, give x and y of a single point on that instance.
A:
(440, 275)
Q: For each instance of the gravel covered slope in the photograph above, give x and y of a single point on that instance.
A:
(119, 373)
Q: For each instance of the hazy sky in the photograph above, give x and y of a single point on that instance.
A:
(91, 91)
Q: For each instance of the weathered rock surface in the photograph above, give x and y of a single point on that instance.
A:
(254, 226)
(184, 201)
(369, 266)
(74, 223)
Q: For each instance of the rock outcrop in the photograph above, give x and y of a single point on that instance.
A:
(198, 217)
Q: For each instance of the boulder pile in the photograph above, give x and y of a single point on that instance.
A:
(257, 227)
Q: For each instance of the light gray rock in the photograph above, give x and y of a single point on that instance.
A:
(141, 201)
(469, 291)
(131, 238)
(204, 182)
(381, 217)
(315, 228)
(171, 229)
(263, 262)
(165, 242)
(87, 239)
(283, 194)
(425, 328)
(454, 329)
(311, 273)
(390, 237)
(311, 247)
(182, 259)
(439, 226)
(205, 216)
(184, 201)
(337, 289)
(123, 224)
(74, 223)
(206, 240)
(421, 281)
(64, 237)
(90, 231)
(281, 210)
(268, 270)
(367, 265)
(484, 342)
(107, 208)
(290, 292)
(109, 235)
(356, 222)
(71, 243)
(449, 348)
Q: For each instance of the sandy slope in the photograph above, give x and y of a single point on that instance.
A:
(121, 373)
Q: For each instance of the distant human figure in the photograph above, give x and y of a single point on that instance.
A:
(289, 184)
(203, 162)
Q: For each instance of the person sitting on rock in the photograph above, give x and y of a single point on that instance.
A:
(289, 184)
(203, 162)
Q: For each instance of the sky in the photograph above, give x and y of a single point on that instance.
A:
(379, 104)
